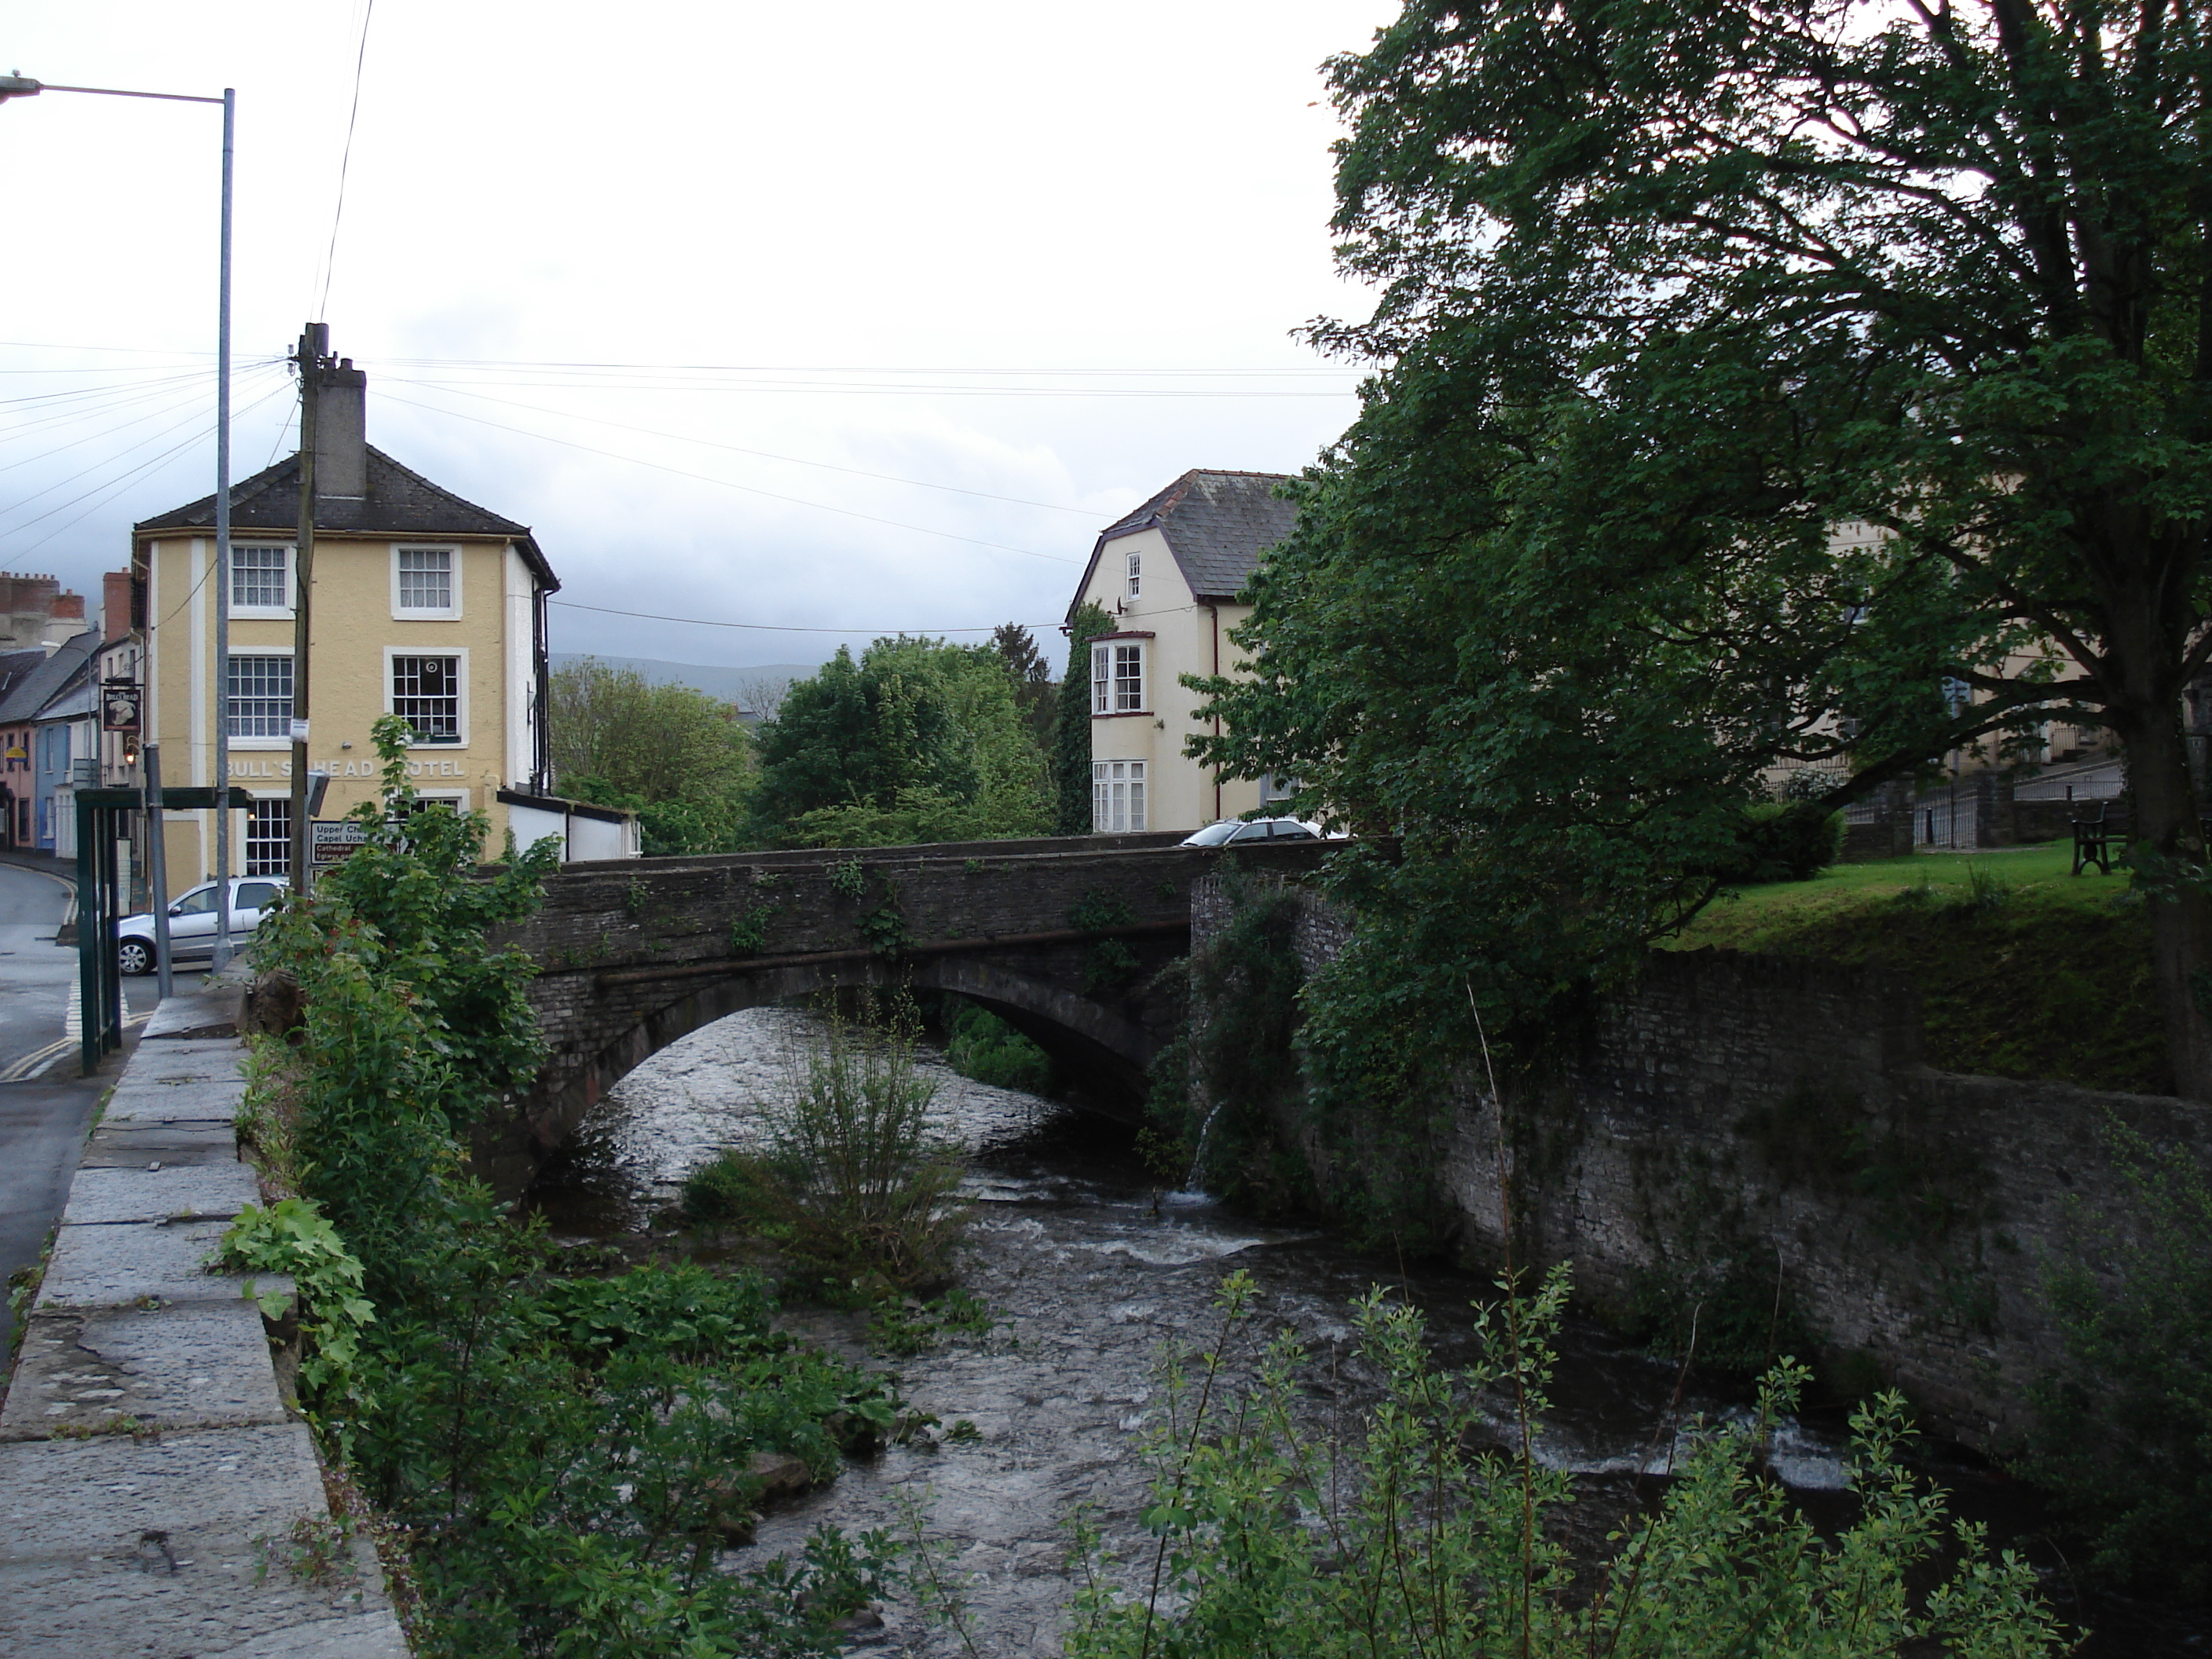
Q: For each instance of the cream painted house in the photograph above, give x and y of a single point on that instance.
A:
(1169, 574)
(425, 606)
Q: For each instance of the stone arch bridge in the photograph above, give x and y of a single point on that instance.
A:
(1062, 938)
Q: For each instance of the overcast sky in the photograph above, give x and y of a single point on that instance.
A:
(1050, 253)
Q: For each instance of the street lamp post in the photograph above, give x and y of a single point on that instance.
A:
(22, 86)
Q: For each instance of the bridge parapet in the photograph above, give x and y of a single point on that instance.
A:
(1061, 936)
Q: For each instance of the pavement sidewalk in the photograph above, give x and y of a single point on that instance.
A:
(151, 1467)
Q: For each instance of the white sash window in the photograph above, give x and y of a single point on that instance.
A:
(1117, 797)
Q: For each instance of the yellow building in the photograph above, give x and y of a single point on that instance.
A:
(1169, 574)
(425, 605)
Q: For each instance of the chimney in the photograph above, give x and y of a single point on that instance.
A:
(64, 621)
(341, 432)
(115, 605)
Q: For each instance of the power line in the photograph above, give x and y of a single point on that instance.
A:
(883, 388)
(726, 484)
(773, 627)
(115, 489)
(345, 159)
(740, 449)
(852, 368)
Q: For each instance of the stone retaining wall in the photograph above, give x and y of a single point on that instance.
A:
(1771, 1120)
(150, 1462)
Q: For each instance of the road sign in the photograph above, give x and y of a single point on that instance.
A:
(333, 842)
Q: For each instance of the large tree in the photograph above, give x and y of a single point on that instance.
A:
(917, 739)
(671, 753)
(1668, 294)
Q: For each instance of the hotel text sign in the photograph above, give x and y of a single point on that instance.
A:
(276, 766)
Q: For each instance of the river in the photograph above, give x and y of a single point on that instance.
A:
(1089, 1270)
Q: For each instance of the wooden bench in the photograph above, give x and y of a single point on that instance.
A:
(2094, 839)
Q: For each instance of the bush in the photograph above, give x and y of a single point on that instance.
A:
(852, 1178)
(566, 1456)
(980, 1045)
(1405, 1534)
(1780, 841)
(2124, 1430)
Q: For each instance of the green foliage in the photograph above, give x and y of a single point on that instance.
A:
(673, 755)
(2124, 1435)
(918, 740)
(1668, 297)
(1109, 963)
(416, 1025)
(1780, 841)
(854, 1180)
(749, 930)
(1071, 754)
(908, 1326)
(2015, 980)
(1240, 1053)
(291, 1237)
(884, 928)
(1034, 690)
(850, 878)
(978, 1044)
(1415, 1532)
(564, 1454)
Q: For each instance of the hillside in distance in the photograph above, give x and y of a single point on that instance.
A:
(742, 686)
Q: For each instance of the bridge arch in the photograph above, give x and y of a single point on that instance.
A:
(1063, 938)
(1072, 1028)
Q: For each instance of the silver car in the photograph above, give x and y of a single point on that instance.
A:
(192, 923)
(1240, 832)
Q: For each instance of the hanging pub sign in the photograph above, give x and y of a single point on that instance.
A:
(120, 705)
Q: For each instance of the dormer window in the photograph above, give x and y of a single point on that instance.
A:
(1136, 572)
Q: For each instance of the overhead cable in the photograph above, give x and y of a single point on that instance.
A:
(726, 484)
(740, 449)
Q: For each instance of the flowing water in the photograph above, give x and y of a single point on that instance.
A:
(1091, 1270)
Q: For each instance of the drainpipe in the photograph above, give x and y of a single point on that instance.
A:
(1216, 611)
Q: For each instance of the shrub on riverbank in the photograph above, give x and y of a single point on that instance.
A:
(983, 1048)
(2026, 972)
(565, 1457)
(1402, 1535)
(2125, 1432)
(852, 1178)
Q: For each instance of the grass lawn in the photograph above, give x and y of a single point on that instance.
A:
(2023, 969)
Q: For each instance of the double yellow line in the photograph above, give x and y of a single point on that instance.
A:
(39, 1058)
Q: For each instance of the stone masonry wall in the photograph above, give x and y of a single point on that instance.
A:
(1774, 1117)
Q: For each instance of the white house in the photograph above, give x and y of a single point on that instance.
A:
(1169, 574)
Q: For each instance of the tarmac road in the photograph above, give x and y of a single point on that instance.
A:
(43, 1121)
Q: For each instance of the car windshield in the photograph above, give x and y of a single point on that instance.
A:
(1214, 834)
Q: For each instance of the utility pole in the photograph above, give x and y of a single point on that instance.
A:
(221, 959)
(314, 352)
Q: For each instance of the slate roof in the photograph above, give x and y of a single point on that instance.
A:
(400, 502)
(1216, 524)
(33, 691)
(14, 666)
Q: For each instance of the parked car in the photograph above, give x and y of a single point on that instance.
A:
(1239, 831)
(192, 923)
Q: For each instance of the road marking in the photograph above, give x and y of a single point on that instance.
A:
(38, 1060)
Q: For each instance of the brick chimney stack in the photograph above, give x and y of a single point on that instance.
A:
(341, 432)
(114, 605)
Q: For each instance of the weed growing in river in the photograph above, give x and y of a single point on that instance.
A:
(1427, 1528)
(852, 1178)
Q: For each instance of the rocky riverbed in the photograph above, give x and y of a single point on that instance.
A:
(1090, 1271)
